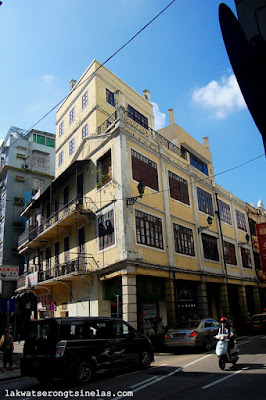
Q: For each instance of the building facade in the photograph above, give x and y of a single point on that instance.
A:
(27, 166)
(96, 246)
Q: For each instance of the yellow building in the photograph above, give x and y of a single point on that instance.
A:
(96, 246)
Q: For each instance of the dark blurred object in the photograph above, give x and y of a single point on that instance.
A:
(248, 60)
(256, 324)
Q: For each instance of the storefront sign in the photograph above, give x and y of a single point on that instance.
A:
(261, 234)
(151, 288)
(31, 279)
(113, 287)
(43, 302)
(9, 273)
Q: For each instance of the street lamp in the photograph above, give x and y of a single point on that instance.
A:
(141, 189)
(209, 222)
(240, 244)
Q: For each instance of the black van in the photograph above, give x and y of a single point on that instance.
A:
(76, 347)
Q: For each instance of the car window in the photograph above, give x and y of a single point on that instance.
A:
(74, 331)
(211, 324)
(187, 324)
(121, 330)
(258, 318)
(100, 330)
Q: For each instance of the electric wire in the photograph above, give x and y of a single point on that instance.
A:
(199, 180)
(97, 69)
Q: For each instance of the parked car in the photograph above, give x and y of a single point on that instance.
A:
(256, 324)
(195, 333)
(78, 347)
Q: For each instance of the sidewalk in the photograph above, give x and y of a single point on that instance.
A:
(15, 373)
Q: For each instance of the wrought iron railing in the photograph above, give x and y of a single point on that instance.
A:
(137, 124)
(64, 212)
(160, 139)
(21, 281)
(80, 264)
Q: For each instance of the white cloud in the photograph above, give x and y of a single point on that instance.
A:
(222, 97)
(48, 78)
(159, 118)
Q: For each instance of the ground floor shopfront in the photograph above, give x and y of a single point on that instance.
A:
(146, 296)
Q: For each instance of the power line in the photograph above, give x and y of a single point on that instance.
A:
(93, 74)
(166, 190)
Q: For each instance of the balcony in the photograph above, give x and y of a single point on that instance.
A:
(65, 216)
(80, 265)
(122, 115)
(21, 281)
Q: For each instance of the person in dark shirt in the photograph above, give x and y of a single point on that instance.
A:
(7, 346)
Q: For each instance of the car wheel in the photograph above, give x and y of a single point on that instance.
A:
(207, 344)
(84, 372)
(145, 360)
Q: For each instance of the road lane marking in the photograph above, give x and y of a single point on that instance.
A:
(148, 382)
(157, 380)
(195, 361)
(141, 383)
(231, 375)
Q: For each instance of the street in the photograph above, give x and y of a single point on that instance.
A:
(188, 374)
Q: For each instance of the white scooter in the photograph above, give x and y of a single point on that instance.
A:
(225, 354)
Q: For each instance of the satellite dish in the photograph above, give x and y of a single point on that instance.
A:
(248, 60)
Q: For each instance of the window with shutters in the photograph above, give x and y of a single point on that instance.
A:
(241, 221)
(184, 241)
(224, 210)
(84, 100)
(145, 170)
(110, 98)
(246, 259)
(210, 247)
(106, 230)
(178, 188)
(230, 253)
(205, 201)
(137, 116)
(149, 230)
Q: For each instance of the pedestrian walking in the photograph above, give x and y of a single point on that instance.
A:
(7, 347)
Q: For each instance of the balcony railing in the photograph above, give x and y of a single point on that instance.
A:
(78, 265)
(122, 114)
(103, 128)
(21, 281)
(160, 139)
(34, 231)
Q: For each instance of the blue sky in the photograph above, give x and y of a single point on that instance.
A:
(180, 58)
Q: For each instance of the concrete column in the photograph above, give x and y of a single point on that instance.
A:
(225, 311)
(243, 303)
(256, 298)
(129, 299)
(168, 221)
(170, 301)
(202, 300)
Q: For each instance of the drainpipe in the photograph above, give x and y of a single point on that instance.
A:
(221, 233)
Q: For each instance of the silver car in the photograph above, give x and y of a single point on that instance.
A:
(195, 333)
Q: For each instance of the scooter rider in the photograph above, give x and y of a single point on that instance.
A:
(226, 329)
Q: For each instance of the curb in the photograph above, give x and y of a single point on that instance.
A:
(8, 375)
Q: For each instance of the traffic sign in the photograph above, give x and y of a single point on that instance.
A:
(7, 305)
